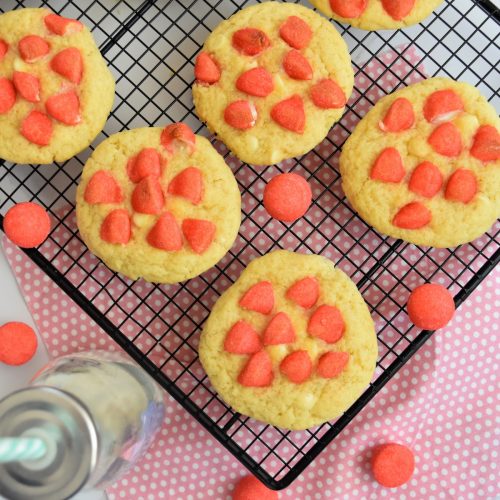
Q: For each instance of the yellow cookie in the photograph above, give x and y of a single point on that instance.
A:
(291, 343)
(424, 164)
(271, 81)
(56, 91)
(377, 14)
(160, 204)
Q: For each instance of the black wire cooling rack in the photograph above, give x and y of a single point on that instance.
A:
(150, 47)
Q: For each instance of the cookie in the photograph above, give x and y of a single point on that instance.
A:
(160, 204)
(291, 343)
(56, 91)
(424, 164)
(271, 81)
(377, 14)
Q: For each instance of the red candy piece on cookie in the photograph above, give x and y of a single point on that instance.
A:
(462, 186)
(250, 41)
(188, 184)
(442, 105)
(296, 32)
(304, 292)
(259, 298)
(430, 306)
(279, 330)
(326, 94)
(62, 25)
(297, 66)
(69, 64)
(426, 180)
(287, 197)
(147, 197)
(116, 227)
(399, 116)
(297, 367)
(332, 364)
(392, 464)
(26, 224)
(486, 145)
(327, 324)
(398, 9)
(4, 47)
(32, 48)
(348, 8)
(199, 234)
(165, 234)
(258, 372)
(250, 488)
(241, 115)
(103, 188)
(206, 69)
(242, 339)
(446, 140)
(27, 86)
(18, 343)
(388, 167)
(175, 134)
(7, 95)
(37, 128)
(64, 108)
(255, 81)
(290, 114)
(412, 216)
(147, 162)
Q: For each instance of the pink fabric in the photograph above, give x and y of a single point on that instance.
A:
(442, 403)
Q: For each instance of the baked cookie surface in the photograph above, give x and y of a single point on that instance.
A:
(271, 81)
(56, 91)
(160, 204)
(424, 164)
(374, 15)
(291, 343)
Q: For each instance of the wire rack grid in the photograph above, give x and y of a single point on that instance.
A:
(150, 47)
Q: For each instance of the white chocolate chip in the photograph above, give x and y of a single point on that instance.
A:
(216, 43)
(20, 65)
(253, 142)
(418, 147)
(253, 112)
(141, 220)
(277, 352)
(275, 156)
(307, 401)
(445, 117)
(467, 124)
(279, 84)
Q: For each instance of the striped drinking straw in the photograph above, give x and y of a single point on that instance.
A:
(21, 449)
